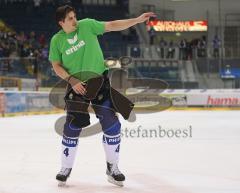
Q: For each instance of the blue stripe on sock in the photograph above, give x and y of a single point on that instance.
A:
(112, 140)
(69, 142)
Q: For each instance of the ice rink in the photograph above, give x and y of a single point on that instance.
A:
(207, 161)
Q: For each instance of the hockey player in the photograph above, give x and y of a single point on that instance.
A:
(75, 49)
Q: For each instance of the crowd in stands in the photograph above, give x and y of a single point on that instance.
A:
(14, 44)
(199, 46)
(25, 43)
(35, 44)
(187, 50)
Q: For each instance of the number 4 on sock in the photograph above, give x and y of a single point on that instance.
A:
(118, 147)
(66, 152)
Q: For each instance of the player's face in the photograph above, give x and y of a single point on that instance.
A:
(70, 22)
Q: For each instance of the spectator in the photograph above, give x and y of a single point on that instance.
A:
(182, 49)
(44, 53)
(33, 40)
(42, 40)
(162, 45)
(6, 50)
(216, 45)
(152, 35)
(1, 51)
(21, 38)
(189, 50)
(201, 47)
(135, 52)
(25, 51)
(171, 50)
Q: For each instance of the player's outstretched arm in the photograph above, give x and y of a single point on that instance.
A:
(119, 25)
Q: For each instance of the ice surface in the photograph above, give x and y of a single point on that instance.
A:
(207, 162)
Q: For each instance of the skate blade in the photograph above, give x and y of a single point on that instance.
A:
(62, 184)
(112, 181)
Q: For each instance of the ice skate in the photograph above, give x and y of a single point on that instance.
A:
(63, 175)
(114, 175)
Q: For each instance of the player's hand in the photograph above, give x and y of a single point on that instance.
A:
(79, 88)
(77, 85)
(145, 17)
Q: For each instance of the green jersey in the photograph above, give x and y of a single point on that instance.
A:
(79, 51)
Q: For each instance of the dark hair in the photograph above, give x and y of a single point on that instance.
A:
(62, 12)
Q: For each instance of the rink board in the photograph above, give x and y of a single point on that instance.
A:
(27, 103)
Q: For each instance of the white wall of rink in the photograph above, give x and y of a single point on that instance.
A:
(210, 98)
(197, 97)
(28, 101)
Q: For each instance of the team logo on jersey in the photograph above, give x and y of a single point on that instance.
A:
(75, 48)
(73, 40)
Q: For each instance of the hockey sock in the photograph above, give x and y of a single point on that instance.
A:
(111, 143)
(69, 149)
(69, 145)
